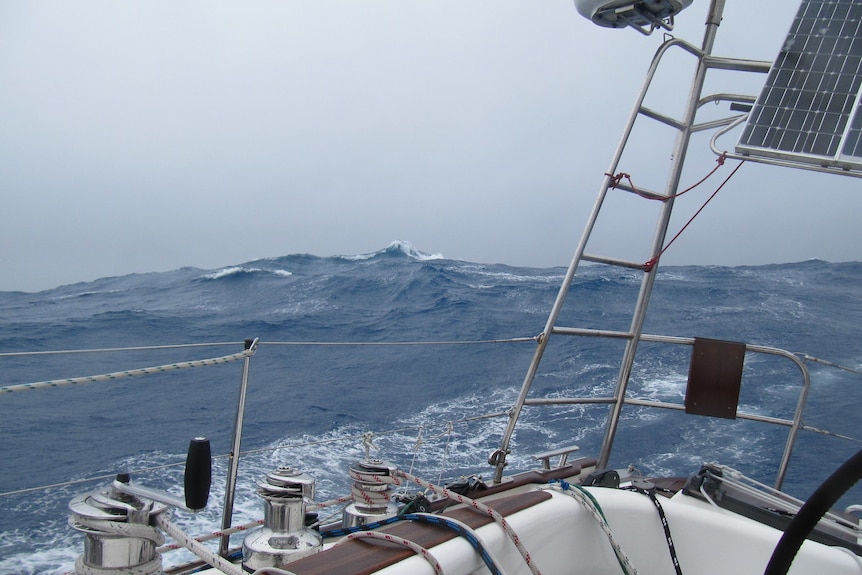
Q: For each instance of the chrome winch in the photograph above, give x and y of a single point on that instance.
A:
(284, 537)
(121, 523)
(372, 493)
(119, 530)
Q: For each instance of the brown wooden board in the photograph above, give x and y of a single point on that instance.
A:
(714, 378)
(363, 557)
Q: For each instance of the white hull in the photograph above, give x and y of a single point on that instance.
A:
(562, 537)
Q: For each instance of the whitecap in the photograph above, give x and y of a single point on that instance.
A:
(239, 270)
(404, 247)
(231, 271)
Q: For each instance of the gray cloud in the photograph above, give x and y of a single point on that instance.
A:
(146, 136)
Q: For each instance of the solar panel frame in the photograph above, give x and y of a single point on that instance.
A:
(810, 109)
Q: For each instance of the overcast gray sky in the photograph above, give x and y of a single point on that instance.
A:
(147, 136)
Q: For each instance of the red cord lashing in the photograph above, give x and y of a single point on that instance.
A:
(616, 179)
(650, 265)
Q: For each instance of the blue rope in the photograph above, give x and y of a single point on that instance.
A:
(433, 520)
(369, 527)
(468, 535)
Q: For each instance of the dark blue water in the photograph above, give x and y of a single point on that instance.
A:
(302, 399)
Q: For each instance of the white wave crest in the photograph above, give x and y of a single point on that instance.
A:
(239, 270)
(398, 245)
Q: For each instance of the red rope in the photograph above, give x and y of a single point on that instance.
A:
(615, 181)
(648, 266)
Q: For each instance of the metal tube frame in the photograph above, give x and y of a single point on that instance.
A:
(515, 412)
(233, 456)
(686, 128)
(499, 458)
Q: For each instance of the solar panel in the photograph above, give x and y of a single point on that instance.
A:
(809, 109)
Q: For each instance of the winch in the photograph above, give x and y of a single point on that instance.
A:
(284, 536)
(372, 495)
(118, 530)
(119, 522)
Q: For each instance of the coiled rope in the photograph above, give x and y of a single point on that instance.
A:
(123, 529)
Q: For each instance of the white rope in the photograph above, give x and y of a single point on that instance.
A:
(121, 528)
(127, 373)
(482, 508)
(189, 543)
(136, 530)
(445, 461)
(370, 489)
(250, 525)
(214, 535)
(417, 446)
(582, 496)
(473, 533)
(418, 549)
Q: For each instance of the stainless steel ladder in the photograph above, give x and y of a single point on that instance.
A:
(684, 127)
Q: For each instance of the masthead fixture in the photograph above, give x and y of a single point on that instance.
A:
(642, 15)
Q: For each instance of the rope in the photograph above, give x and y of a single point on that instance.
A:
(480, 507)
(418, 549)
(464, 531)
(616, 179)
(189, 543)
(213, 535)
(371, 489)
(127, 373)
(650, 265)
(329, 503)
(589, 503)
(123, 529)
(447, 522)
(670, 546)
(416, 447)
(445, 460)
(136, 530)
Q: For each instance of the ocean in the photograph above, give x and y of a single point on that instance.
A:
(406, 345)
